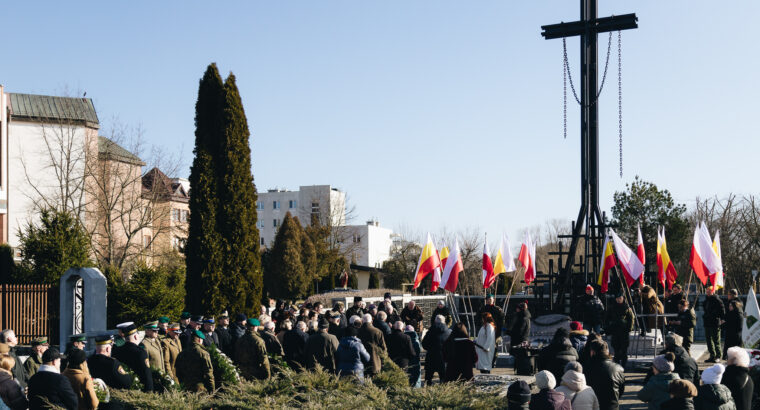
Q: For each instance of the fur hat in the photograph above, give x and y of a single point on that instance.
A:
(662, 364)
(682, 389)
(713, 374)
(545, 380)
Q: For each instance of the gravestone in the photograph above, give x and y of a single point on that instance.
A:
(83, 304)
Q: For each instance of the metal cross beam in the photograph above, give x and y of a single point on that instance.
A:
(589, 226)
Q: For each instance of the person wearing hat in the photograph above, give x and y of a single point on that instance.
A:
(171, 348)
(39, 346)
(48, 387)
(321, 348)
(184, 320)
(578, 336)
(655, 391)
(518, 395)
(222, 333)
(209, 325)
(187, 335)
(335, 328)
(685, 323)
(433, 342)
(682, 393)
(619, 326)
(163, 324)
(152, 346)
(496, 313)
(77, 341)
(712, 395)
(251, 353)
(443, 310)
(684, 365)
(103, 366)
(547, 397)
(592, 311)
(712, 319)
(81, 381)
(357, 309)
(237, 330)
(412, 314)
(194, 369)
(734, 323)
(133, 356)
(340, 309)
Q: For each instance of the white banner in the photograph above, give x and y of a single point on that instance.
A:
(751, 326)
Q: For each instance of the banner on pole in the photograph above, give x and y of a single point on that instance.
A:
(751, 326)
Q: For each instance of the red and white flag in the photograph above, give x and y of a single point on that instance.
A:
(630, 264)
(640, 253)
(428, 262)
(487, 266)
(527, 257)
(451, 268)
(704, 259)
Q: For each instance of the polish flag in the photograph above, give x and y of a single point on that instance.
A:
(640, 253)
(442, 255)
(703, 259)
(504, 261)
(429, 262)
(487, 266)
(630, 264)
(452, 268)
(527, 257)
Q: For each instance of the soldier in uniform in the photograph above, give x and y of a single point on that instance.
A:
(171, 348)
(163, 324)
(713, 317)
(184, 320)
(251, 353)
(103, 366)
(209, 324)
(133, 356)
(223, 334)
(187, 334)
(619, 326)
(194, 369)
(39, 345)
(685, 324)
(152, 346)
(77, 341)
(357, 309)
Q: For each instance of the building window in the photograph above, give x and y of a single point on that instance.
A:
(292, 204)
(261, 224)
(356, 238)
(146, 241)
(183, 215)
(275, 223)
(259, 205)
(262, 241)
(275, 204)
(178, 243)
(175, 215)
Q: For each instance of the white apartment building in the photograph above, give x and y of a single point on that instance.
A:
(367, 245)
(320, 202)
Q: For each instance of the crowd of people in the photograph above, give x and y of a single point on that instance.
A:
(576, 369)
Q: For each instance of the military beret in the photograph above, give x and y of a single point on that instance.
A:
(80, 337)
(163, 319)
(185, 315)
(151, 325)
(199, 334)
(103, 340)
(254, 322)
(39, 341)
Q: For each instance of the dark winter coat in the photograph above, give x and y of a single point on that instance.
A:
(51, 387)
(714, 311)
(374, 342)
(321, 348)
(549, 399)
(671, 303)
(714, 397)
(18, 369)
(351, 356)
(294, 345)
(445, 312)
(460, 356)
(607, 379)
(225, 340)
(433, 344)
(519, 332)
(412, 317)
(578, 339)
(733, 326)
(496, 313)
(11, 392)
(687, 322)
(737, 379)
(685, 366)
(336, 330)
(415, 361)
(272, 343)
(134, 357)
(400, 348)
(109, 370)
(678, 404)
(555, 356)
(655, 391)
(383, 327)
(592, 311)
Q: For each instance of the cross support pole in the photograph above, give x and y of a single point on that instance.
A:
(590, 223)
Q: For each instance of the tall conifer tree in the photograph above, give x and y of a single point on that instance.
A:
(236, 217)
(203, 251)
(286, 275)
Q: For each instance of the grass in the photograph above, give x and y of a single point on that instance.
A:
(319, 390)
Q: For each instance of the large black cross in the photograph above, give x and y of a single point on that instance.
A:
(590, 224)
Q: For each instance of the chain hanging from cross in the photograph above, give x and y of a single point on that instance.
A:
(566, 74)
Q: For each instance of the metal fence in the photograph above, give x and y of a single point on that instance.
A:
(25, 310)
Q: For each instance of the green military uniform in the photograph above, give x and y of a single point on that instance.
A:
(32, 364)
(251, 356)
(153, 348)
(685, 329)
(171, 348)
(619, 325)
(194, 368)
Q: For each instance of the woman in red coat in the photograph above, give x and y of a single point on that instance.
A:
(459, 353)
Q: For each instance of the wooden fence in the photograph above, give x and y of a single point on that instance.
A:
(25, 310)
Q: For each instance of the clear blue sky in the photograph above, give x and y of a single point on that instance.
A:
(427, 113)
